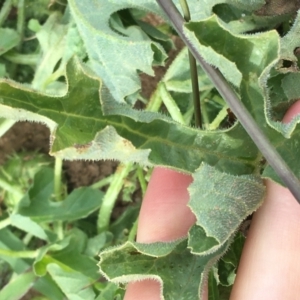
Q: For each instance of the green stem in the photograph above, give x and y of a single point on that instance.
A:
(142, 180)
(6, 7)
(154, 102)
(10, 188)
(21, 20)
(27, 238)
(22, 59)
(4, 223)
(19, 254)
(185, 9)
(58, 225)
(5, 124)
(194, 72)
(195, 88)
(133, 231)
(206, 120)
(57, 179)
(218, 119)
(170, 103)
(111, 195)
(103, 182)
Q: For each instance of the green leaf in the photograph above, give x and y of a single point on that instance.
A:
(74, 285)
(38, 206)
(228, 264)
(17, 287)
(290, 42)
(180, 273)
(83, 132)
(27, 225)
(96, 243)
(177, 77)
(242, 59)
(124, 54)
(109, 292)
(52, 39)
(46, 286)
(68, 254)
(9, 39)
(213, 293)
(249, 73)
(221, 202)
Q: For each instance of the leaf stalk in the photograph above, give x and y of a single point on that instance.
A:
(6, 7)
(193, 71)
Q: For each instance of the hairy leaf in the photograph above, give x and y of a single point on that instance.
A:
(221, 202)
(83, 132)
(109, 49)
(180, 273)
(249, 73)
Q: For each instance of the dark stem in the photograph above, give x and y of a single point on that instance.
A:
(194, 72)
(235, 104)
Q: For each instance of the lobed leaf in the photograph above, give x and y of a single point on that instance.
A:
(221, 202)
(180, 273)
(83, 132)
(108, 50)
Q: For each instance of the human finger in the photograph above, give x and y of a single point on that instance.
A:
(270, 264)
(164, 217)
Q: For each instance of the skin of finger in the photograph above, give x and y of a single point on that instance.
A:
(270, 265)
(164, 216)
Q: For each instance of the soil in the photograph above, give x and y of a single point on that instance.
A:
(27, 136)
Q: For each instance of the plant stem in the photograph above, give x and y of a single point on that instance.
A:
(5, 124)
(111, 195)
(19, 254)
(194, 72)
(185, 9)
(6, 7)
(10, 188)
(21, 20)
(103, 182)
(218, 119)
(236, 105)
(27, 238)
(4, 223)
(58, 225)
(142, 180)
(205, 121)
(22, 59)
(57, 179)
(154, 102)
(170, 104)
(133, 231)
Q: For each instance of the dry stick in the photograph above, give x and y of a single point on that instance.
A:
(235, 104)
(193, 71)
